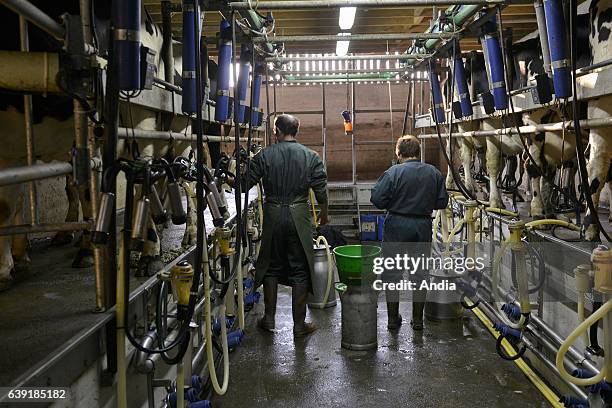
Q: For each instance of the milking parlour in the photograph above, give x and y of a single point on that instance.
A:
(296, 203)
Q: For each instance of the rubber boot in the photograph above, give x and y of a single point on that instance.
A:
(394, 318)
(270, 286)
(418, 306)
(299, 296)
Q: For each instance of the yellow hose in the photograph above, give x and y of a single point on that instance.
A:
(314, 210)
(208, 322)
(552, 221)
(330, 269)
(581, 316)
(501, 211)
(584, 326)
(180, 385)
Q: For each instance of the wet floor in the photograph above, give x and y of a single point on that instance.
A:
(449, 364)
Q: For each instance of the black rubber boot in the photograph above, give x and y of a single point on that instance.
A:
(394, 318)
(270, 286)
(299, 296)
(418, 306)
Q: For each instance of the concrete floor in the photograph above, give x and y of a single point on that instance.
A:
(449, 364)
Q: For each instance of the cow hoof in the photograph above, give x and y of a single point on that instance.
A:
(6, 283)
(21, 265)
(189, 240)
(83, 259)
(149, 265)
(62, 238)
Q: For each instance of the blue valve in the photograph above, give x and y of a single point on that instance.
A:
(511, 310)
(252, 298)
(508, 332)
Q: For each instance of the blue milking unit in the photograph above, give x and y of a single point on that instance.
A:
(557, 43)
(126, 46)
(189, 57)
(494, 62)
(243, 81)
(461, 83)
(223, 73)
(434, 80)
(256, 115)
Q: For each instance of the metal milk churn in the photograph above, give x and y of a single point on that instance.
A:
(359, 317)
(320, 280)
(443, 303)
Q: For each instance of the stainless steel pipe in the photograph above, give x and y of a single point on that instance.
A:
(127, 133)
(310, 4)
(530, 129)
(47, 227)
(36, 16)
(348, 57)
(352, 37)
(15, 175)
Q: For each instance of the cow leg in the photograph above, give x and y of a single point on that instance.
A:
(450, 182)
(150, 261)
(72, 194)
(84, 257)
(493, 165)
(189, 239)
(546, 192)
(466, 161)
(19, 247)
(599, 162)
(535, 177)
(7, 208)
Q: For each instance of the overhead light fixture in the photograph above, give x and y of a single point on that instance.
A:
(342, 46)
(347, 17)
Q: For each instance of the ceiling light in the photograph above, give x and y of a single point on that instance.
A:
(342, 46)
(347, 17)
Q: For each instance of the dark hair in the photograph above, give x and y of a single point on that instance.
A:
(408, 146)
(287, 124)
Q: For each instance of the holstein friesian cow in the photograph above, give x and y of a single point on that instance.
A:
(54, 139)
(549, 150)
(600, 25)
(497, 148)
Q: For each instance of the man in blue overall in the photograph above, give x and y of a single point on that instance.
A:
(409, 191)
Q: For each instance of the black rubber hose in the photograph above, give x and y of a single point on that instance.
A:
(182, 338)
(502, 353)
(594, 343)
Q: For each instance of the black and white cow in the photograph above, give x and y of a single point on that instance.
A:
(600, 25)
(54, 139)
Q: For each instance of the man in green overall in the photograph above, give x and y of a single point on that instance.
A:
(287, 170)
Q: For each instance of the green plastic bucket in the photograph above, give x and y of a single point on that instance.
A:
(355, 261)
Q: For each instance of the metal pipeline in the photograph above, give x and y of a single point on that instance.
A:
(541, 19)
(36, 16)
(29, 71)
(530, 129)
(189, 61)
(307, 4)
(167, 48)
(438, 105)
(125, 133)
(223, 72)
(461, 83)
(29, 127)
(16, 175)
(557, 42)
(126, 43)
(257, 114)
(242, 82)
(494, 62)
(47, 227)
